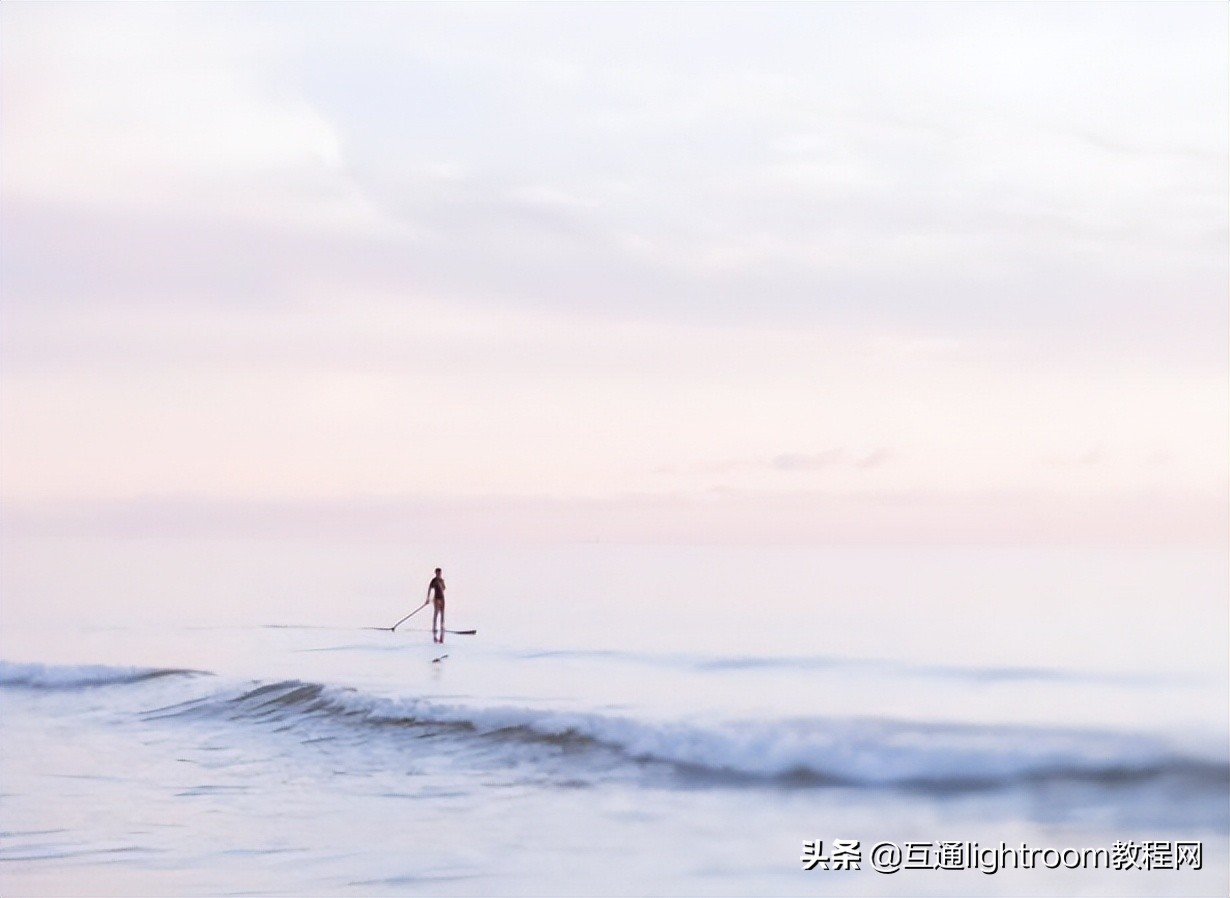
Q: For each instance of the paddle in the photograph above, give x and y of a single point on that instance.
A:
(403, 620)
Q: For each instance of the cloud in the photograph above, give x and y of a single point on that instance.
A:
(874, 458)
(151, 109)
(801, 462)
(788, 462)
(830, 458)
(609, 175)
(579, 240)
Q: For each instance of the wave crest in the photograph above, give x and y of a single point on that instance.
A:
(857, 752)
(853, 752)
(51, 676)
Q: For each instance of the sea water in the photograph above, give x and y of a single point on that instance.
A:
(215, 717)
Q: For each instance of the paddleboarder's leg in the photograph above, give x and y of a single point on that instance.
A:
(437, 615)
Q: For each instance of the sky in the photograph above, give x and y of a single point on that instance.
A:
(642, 272)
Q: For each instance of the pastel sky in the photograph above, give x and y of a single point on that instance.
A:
(663, 272)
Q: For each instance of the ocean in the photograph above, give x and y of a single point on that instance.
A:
(222, 717)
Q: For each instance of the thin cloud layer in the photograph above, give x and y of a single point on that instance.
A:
(588, 251)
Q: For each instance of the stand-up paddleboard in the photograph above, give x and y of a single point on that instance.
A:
(450, 632)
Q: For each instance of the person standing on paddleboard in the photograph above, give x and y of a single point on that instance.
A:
(435, 592)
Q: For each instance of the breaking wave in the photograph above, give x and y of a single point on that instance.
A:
(51, 676)
(854, 752)
(845, 751)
